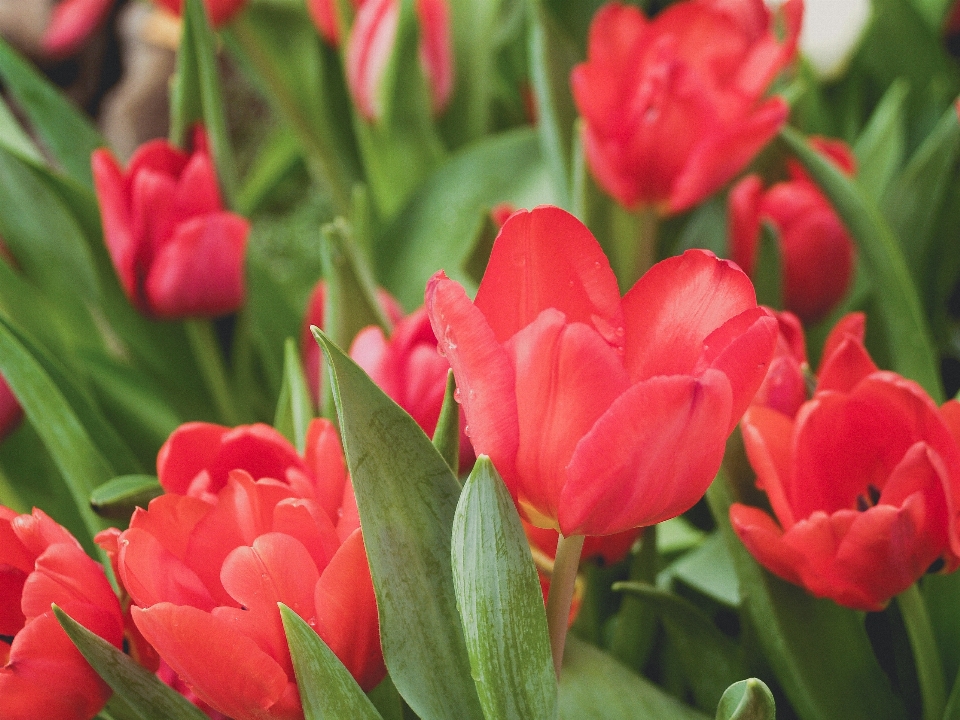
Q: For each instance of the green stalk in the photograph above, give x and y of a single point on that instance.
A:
(562, 584)
(634, 243)
(206, 351)
(925, 655)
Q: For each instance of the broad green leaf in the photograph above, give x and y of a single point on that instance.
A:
(552, 57)
(708, 569)
(142, 691)
(709, 659)
(279, 154)
(897, 295)
(446, 437)
(295, 406)
(881, 146)
(438, 228)
(635, 628)
(304, 82)
(77, 457)
(119, 497)
(407, 497)
(819, 651)
(14, 140)
(198, 83)
(500, 602)
(327, 689)
(747, 699)
(594, 685)
(67, 134)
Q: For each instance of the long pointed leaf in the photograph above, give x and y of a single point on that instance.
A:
(327, 690)
(407, 497)
(141, 690)
(295, 406)
(446, 436)
(500, 602)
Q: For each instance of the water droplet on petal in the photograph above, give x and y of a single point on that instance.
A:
(457, 395)
(466, 430)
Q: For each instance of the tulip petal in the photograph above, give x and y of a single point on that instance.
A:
(191, 448)
(324, 456)
(763, 538)
(225, 669)
(310, 524)
(650, 457)
(485, 377)
(674, 307)
(118, 234)
(170, 519)
(546, 258)
(853, 325)
(768, 439)
(200, 270)
(347, 613)
(151, 574)
(847, 364)
(566, 378)
(71, 23)
(368, 52)
(197, 192)
(744, 221)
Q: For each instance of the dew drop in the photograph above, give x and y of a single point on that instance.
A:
(457, 395)
(466, 430)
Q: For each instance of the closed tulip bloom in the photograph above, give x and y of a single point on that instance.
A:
(817, 253)
(205, 575)
(371, 45)
(601, 413)
(673, 106)
(42, 674)
(177, 252)
(863, 480)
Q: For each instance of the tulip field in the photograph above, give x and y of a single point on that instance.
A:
(480, 359)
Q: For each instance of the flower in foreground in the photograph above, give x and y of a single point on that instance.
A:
(601, 413)
(817, 253)
(42, 674)
(863, 480)
(371, 44)
(177, 252)
(256, 525)
(673, 106)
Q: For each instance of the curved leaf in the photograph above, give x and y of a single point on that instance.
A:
(748, 699)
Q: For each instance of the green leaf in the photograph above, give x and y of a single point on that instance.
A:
(635, 622)
(119, 497)
(14, 140)
(897, 296)
(327, 689)
(707, 569)
(197, 95)
(142, 691)
(500, 602)
(748, 699)
(67, 134)
(278, 156)
(594, 685)
(819, 651)
(709, 659)
(46, 405)
(407, 497)
(304, 82)
(295, 406)
(446, 437)
(915, 196)
(552, 57)
(881, 147)
(768, 276)
(439, 226)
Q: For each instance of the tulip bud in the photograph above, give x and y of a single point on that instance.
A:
(371, 46)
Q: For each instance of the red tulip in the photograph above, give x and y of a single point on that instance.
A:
(42, 674)
(10, 411)
(205, 570)
(864, 481)
(219, 11)
(817, 252)
(310, 351)
(601, 414)
(408, 368)
(673, 106)
(324, 16)
(176, 251)
(785, 386)
(371, 45)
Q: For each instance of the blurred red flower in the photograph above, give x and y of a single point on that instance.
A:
(863, 479)
(370, 47)
(817, 253)
(673, 106)
(258, 525)
(602, 414)
(42, 674)
(176, 251)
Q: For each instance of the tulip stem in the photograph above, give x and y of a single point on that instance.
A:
(926, 657)
(562, 584)
(206, 351)
(635, 244)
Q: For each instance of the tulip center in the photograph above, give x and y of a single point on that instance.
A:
(868, 499)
